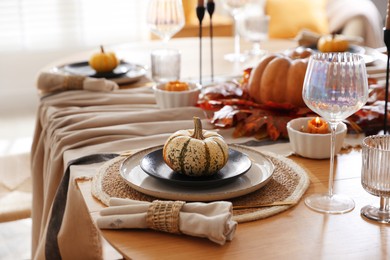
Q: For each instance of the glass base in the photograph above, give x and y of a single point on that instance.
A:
(256, 53)
(234, 57)
(373, 213)
(336, 204)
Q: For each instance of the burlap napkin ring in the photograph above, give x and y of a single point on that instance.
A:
(73, 82)
(164, 216)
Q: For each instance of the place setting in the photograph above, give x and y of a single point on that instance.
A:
(105, 64)
(258, 184)
(103, 72)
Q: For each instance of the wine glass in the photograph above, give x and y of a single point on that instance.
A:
(252, 25)
(376, 176)
(234, 7)
(165, 18)
(335, 87)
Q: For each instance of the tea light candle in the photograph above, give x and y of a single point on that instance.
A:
(317, 126)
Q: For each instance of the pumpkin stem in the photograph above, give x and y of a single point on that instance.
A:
(101, 48)
(198, 130)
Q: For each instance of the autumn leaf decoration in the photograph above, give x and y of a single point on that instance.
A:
(231, 106)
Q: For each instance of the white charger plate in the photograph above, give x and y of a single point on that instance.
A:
(258, 175)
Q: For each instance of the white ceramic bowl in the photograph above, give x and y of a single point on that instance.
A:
(314, 146)
(171, 99)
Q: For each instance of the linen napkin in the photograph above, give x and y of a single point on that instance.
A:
(53, 82)
(309, 38)
(209, 220)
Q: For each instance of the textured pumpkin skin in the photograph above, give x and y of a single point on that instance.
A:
(279, 78)
(194, 157)
(103, 61)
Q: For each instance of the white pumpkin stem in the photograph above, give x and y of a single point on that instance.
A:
(198, 130)
(101, 48)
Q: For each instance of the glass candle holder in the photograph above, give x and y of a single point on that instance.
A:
(376, 176)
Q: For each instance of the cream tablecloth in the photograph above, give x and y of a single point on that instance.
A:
(75, 124)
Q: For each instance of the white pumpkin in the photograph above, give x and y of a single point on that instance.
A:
(196, 152)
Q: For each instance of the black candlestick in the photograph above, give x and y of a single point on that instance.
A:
(200, 11)
(210, 9)
(387, 42)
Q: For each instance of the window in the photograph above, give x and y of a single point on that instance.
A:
(64, 24)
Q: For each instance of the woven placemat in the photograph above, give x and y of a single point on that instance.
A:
(289, 182)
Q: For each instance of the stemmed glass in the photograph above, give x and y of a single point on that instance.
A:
(252, 25)
(165, 18)
(234, 7)
(335, 87)
(376, 176)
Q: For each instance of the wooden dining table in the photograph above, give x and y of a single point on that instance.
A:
(296, 233)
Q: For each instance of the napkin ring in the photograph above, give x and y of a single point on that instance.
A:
(164, 216)
(73, 82)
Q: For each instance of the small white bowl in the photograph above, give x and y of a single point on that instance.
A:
(171, 99)
(314, 146)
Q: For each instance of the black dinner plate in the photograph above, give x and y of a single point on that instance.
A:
(238, 164)
(352, 48)
(83, 68)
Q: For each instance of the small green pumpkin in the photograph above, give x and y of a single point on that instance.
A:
(196, 152)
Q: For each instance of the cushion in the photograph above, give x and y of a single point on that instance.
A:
(288, 17)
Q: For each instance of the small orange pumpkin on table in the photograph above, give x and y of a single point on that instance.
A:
(279, 78)
(103, 62)
(332, 43)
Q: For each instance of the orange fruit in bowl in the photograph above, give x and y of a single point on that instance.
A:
(176, 86)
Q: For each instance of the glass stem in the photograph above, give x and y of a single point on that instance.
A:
(236, 38)
(333, 127)
(256, 48)
(384, 205)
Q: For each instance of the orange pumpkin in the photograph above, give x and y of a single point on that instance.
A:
(279, 78)
(333, 43)
(103, 61)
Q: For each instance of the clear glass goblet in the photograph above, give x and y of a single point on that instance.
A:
(252, 25)
(165, 18)
(376, 176)
(335, 87)
(234, 7)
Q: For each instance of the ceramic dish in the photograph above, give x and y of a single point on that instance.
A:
(237, 165)
(258, 175)
(124, 73)
(313, 146)
(352, 48)
(172, 99)
(83, 68)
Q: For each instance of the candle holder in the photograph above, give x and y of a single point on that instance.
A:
(313, 145)
(210, 9)
(387, 43)
(200, 12)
